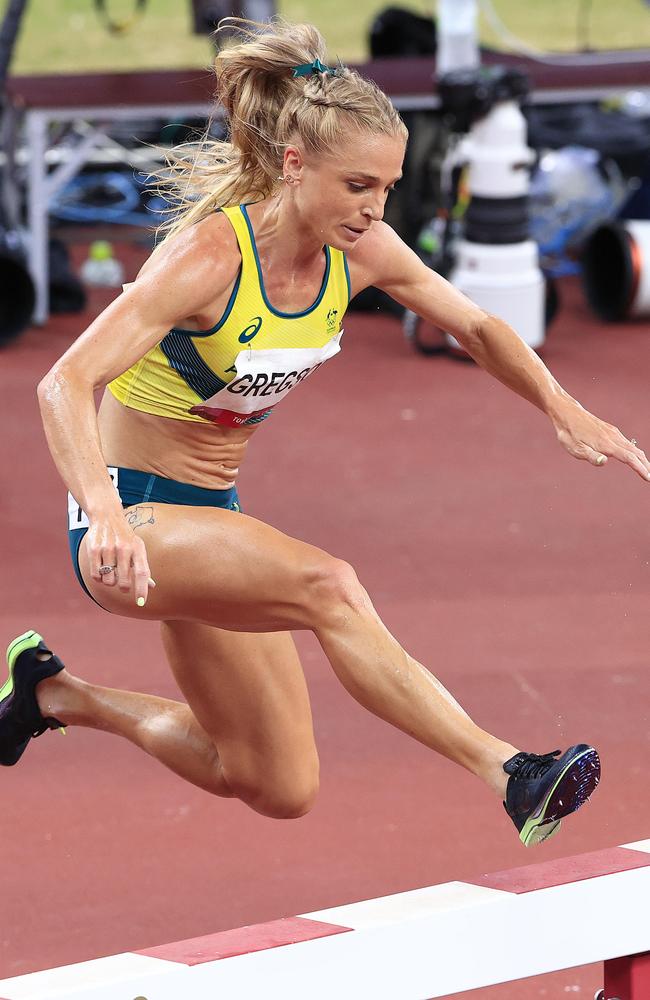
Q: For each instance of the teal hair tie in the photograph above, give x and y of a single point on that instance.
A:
(313, 67)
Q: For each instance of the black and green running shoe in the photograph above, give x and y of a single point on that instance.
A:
(542, 788)
(20, 716)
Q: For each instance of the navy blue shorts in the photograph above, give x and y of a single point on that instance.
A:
(143, 487)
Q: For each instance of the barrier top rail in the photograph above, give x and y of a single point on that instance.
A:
(425, 943)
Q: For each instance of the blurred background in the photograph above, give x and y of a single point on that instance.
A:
(69, 36)
(519, 576)
(562, 87)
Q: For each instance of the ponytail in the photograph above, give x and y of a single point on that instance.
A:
(274, 88)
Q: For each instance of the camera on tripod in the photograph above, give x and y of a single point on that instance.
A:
(492, 260)
(469, 94)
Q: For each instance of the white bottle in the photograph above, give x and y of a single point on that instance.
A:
(101, 268)
(457, 36)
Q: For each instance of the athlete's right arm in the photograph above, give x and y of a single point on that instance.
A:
(177, 283)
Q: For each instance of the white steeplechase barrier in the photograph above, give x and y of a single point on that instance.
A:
(416, 945)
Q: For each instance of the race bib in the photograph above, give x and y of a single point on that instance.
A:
(262, 379)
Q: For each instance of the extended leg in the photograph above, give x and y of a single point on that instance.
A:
(379, 674)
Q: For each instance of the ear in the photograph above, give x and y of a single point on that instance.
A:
(293, 162)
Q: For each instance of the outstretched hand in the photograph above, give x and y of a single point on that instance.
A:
(593, 440)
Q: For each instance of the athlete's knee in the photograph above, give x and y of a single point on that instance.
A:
(283, 796)
(335, 587)
(288, 803)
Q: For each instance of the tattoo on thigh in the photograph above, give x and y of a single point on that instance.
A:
(139, 516)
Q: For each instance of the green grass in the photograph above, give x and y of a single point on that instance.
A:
(67, 36)
(561, 24)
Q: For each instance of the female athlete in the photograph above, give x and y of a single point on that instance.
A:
(241, 303)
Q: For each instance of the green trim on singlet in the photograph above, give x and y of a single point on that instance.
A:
(347, 276)
(224, 317)
(272, 309)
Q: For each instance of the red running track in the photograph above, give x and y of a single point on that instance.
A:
(519, 576)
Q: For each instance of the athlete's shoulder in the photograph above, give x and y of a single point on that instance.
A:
(188, 272)
(206, 251)
(380, 236)
(377, 254)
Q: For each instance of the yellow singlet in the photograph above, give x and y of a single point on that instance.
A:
(236, 372)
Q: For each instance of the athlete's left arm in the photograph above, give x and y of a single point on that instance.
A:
(382, 259)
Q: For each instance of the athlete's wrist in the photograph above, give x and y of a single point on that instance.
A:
(103, 508)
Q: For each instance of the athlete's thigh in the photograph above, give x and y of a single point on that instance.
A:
(248, 692)
(218, 567)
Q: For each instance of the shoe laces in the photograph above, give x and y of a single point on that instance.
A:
(534, 765)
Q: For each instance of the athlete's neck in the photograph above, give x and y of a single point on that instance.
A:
(282, 237)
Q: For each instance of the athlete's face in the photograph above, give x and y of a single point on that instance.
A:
(339, 196)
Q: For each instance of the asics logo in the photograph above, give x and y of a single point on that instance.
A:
(251, 330)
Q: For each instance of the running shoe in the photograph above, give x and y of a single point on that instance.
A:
(20, 716)
(542, 788)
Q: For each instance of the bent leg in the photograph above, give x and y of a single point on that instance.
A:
(249, 694)
(247, 729)
(165, 729)
(232, 571)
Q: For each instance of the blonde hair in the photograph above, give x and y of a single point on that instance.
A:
(266, 106)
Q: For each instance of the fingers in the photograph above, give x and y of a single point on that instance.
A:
(612, 444)
(141, 579)
(124, 565)
(627, 453)
(638, 460)
(587, 454)
(137, 572)
(124, 569)
(582, 451)
(103, 563)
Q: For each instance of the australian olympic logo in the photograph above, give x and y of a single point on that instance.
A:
(331, 318)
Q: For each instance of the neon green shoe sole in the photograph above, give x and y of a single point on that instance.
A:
(543, 788)
(537, 834)
(28, 640)
(20, 715)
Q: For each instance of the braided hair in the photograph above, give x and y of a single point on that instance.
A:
(273, 89)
